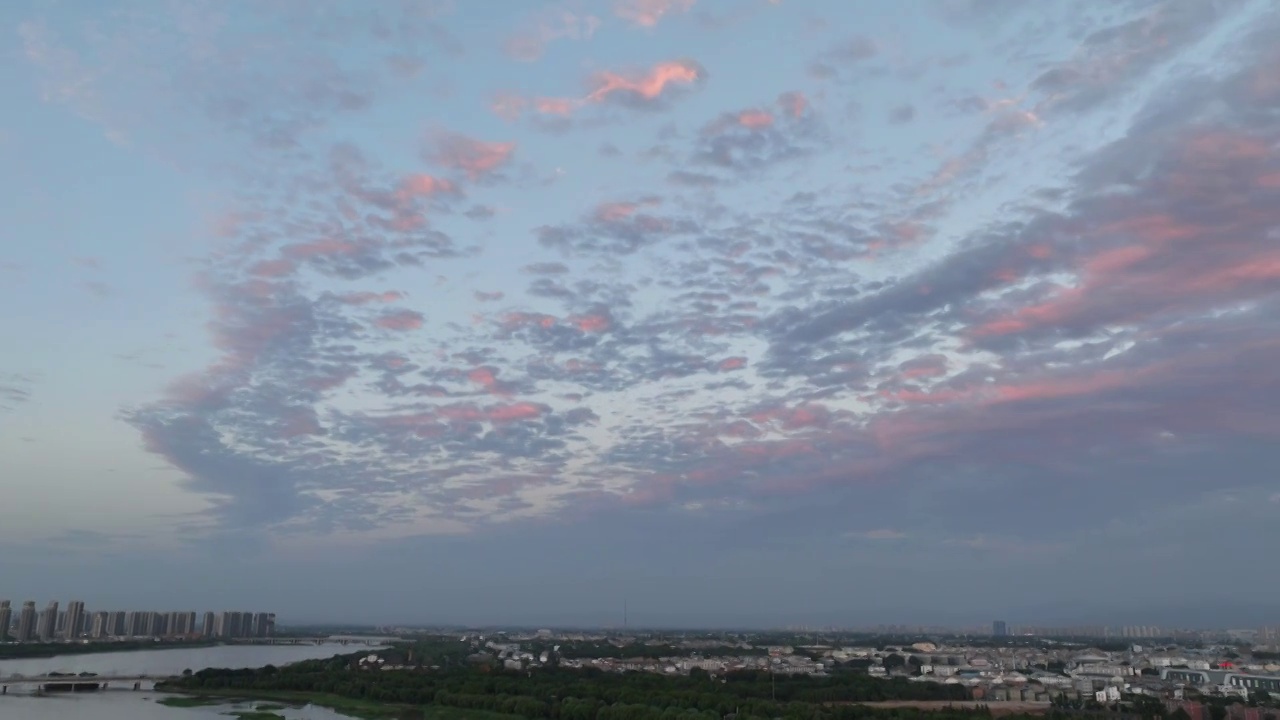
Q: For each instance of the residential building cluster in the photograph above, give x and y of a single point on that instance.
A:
(1104, 632)
(75, 624)
(1015, 672)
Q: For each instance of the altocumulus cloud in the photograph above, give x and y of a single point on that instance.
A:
(1036, 290)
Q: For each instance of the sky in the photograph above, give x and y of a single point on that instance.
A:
(738, 312)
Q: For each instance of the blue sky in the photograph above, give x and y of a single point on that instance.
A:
(748, 311)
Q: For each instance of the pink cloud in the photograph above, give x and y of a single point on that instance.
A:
(648, 13)
(1040, 252)
(924, 367)
(524, 319)
(617, 211)
(648, 86)
(1052, 388)
(645, 86)
(529, 43)
(428, 423)
(508, 106)
(421, 185)
(365, 298)
(474, 157)
(514, 412)
(733, 363)
(554, 106)
(755, 119)
(272, 268)
(591, 323)
(300, 422)
(302, 251)
(400, 320)
(487, 378)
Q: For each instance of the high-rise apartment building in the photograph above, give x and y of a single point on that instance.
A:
(27, 622)
(74, 620)
(98, 627)
(154, 624)
(49, 622)
(115, 623)
(75, 623)
(999, 628)
(180, 623)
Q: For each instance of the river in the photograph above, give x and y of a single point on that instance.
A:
(141, 705)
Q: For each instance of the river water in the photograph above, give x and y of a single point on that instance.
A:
(142, 705)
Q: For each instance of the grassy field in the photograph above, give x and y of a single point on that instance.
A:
(347, 706)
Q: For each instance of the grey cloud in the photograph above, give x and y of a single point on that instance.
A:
(1112, 57)
(15, 390)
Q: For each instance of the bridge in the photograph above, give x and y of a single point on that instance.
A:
(330, 640)
(55, 683)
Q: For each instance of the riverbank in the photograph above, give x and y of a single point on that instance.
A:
(33, 651)
(364, 709)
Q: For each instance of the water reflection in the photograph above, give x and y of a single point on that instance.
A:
(20, 704)
(134, 706)
(174, 661)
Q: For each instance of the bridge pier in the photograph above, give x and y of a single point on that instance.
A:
(137, 685)
(4, 689)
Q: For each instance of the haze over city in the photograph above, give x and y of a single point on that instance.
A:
(738, 312)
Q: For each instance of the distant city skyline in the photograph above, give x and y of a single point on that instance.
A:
(76, 623)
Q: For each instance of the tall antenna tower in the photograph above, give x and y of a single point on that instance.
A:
(624, 614)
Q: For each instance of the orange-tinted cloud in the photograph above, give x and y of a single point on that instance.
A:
(554, 106)
(733, 363)
(400, 320)
(609, 212)
(648, 13)
(755, 119)
(421, 185)
(474, 157)
(646, 86)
